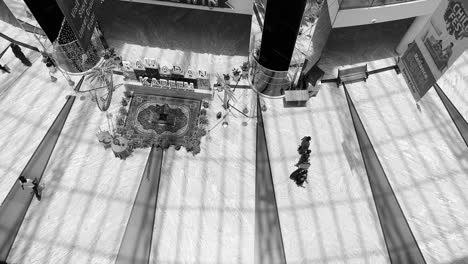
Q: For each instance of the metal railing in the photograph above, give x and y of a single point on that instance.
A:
(350, 4)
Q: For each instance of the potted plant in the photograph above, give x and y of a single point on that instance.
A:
(164, 142)
(203, 120)
(123, 111)
(124, 102)
(236, 74)
(245, 70)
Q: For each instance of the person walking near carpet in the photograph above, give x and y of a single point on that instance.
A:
(19, 54)
(33, 184)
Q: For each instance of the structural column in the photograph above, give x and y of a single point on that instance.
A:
(281, 26)
(410, 35)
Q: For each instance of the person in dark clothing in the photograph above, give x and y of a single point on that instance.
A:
(4, 69)
(295, 175)
(299, 176)
(50, 64)
(304, 158)
(34, 185)
(19, 54)
(301, 179)
(47, 60)
(305, 143)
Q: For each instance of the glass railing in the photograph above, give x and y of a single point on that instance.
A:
(349, 4)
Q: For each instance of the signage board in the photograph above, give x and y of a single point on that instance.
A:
(416, 71)
(436, 47)
(166, 77)
(81, 15)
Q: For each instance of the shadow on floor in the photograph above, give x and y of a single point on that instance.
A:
(176, 28)
(463, 260)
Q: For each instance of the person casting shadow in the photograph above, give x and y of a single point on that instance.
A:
(299, 176)
(304, 160)
(19, 54)
(305, 143)
(33, 184)
(4, 69)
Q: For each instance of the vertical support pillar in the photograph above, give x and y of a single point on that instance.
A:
(48, 15)
(281, 26)
(418, 24)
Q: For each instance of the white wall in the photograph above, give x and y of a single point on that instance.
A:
(363, 16)
(239, 6)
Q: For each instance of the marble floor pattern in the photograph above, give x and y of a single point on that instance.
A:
(205, 209)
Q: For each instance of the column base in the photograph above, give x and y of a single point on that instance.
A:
(266, 82)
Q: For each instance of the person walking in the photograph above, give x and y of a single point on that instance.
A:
(50, 64)
(299, 176)
(301, 179)
(305, 143)
(19, 54)
(296, 174)
(33, 184)
(4, 69)
(304, 158)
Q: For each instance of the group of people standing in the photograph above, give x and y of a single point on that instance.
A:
(300, 174)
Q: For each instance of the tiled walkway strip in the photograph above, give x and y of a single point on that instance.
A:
(269, 247)
(136, 243)
(457, 118)
(401, 244)
(17, 202)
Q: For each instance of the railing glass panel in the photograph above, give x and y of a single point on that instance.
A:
(349, 4)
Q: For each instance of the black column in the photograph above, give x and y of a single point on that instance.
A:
(48, 15)
(282, 22)
(270, 69)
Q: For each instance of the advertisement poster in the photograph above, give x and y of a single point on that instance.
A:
(81, 16)
(437, 46)
(416, 71)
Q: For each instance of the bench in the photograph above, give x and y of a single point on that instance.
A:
(295, 98)
(352, 75)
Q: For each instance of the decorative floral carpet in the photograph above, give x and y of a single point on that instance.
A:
(153, 116)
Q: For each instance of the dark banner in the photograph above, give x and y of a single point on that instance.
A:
(211, 3)
(82, 16)
(417, 73)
